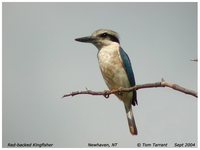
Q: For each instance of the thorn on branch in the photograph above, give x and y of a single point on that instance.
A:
(162, 80)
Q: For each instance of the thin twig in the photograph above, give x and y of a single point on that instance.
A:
(163, 83)
(194, 60)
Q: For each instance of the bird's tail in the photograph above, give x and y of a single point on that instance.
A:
(131, 121)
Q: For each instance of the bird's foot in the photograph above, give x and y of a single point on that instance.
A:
(106, 93)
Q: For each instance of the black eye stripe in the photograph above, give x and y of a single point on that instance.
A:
(103, 35)
(111, 37)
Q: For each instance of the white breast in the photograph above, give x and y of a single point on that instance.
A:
(112, 68)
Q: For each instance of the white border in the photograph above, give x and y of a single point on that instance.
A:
(90, 1)
(98, 1)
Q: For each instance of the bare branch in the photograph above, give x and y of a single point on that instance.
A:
(163, 83)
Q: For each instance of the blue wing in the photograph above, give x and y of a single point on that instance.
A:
(129, 71)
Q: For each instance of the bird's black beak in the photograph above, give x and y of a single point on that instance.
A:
(87, 39)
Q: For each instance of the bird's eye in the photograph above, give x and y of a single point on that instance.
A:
(104, 35)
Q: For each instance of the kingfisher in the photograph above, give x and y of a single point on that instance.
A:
(116, 69)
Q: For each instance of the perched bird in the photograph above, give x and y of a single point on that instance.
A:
(116, 68)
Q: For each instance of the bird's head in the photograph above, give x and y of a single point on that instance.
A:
(101, 38)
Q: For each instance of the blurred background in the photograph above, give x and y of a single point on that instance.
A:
(42, 62)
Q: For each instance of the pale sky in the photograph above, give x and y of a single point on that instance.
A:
(42, 62)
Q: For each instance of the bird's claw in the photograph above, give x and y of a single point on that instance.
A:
(106, 94)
